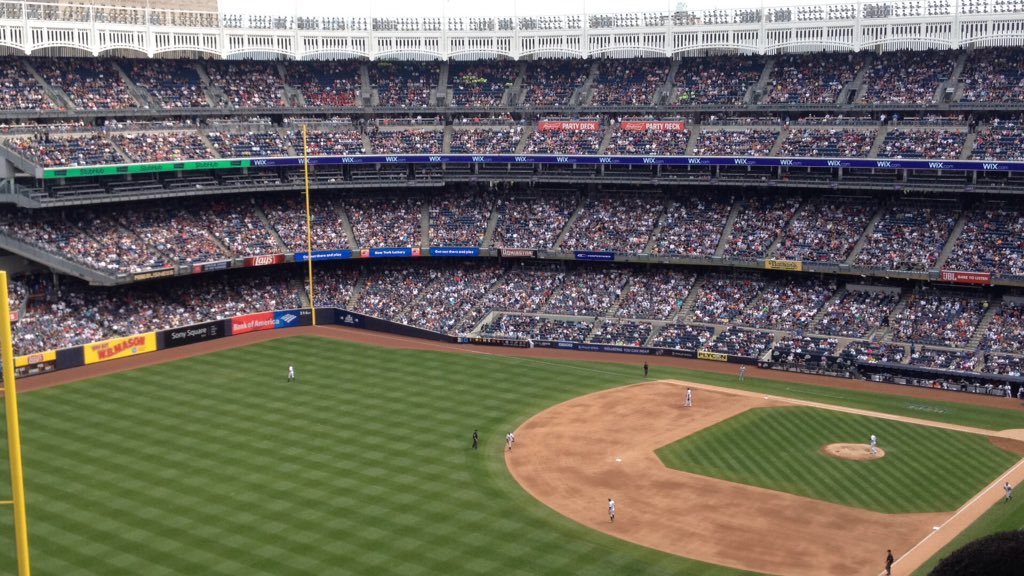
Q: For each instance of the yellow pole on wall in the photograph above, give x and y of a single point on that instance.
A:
(309, 223)
(13, 432)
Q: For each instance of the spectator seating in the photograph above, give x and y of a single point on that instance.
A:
(326, 83)
(329, 143)
(628, 82)
(404, 84)
(621, 332)
(248, 84)
(857, 312)
(760, 221)
(993, 75)
(174, 83)
(938, 320)
(746, 142)
(1004, 364)
(648, 142)
(530, 221)
(826, 229)
(586, 292)
(721, 80)
(828, 142)
(162, 146)
(1005, 331)
(18, 89)
(537, 328)
(946, 359)
(992, 240)
(692, 227)
(614, 224)
(683, 337)
(287, 216)
(90, 83)
(76, 150)
(481, 84)
(451, 294)
(565, 142)
(788, 305)
(740, 342)
(721, 300)
(657, 295)
(334, 286)
(874, 352)
(239, 227)
(795, 347)
(910, 236)
(553, 82)
(927, 144)
(810, 78)
(1002, 141)
(907, 77)
(385, 222)
(459, 219)
(485, 140)
(417, 141)
(249, 144)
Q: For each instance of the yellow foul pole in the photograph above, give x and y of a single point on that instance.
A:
(13, 432)
(309, 223)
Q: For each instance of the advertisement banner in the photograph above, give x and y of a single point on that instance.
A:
(319, 255)
(605, 256)
(709, 355)
(966, 277)
(252, 323)
(613, 348)
(192, 334)
(264, 260)
(653, 126)
(505, 342)
(37, 363)
(548, 126)
(291, 318)
(791, 265)
(152, 274)
(390, 253)
(517, 253)
(455, 251)
(211, 266)
(119, 347)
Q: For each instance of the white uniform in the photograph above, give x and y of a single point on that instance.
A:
(291, 373)
(689, 397)
(1009, 491)
(743, 372)
(509, 439)
(611, 510)
(874, 444)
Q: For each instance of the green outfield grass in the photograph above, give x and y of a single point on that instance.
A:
(1000, 518)
(780, 449)
(214, 465)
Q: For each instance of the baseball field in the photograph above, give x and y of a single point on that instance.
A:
(214, 464)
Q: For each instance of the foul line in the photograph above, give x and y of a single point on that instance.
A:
(978, 496)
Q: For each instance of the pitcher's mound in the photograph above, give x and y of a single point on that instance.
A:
(852, 451)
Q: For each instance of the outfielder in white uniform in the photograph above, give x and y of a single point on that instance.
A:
(874, 444)
(291, 373)
(689, 397)
(611, 510)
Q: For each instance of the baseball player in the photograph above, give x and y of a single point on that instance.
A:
(291, 373)
(476, 439)
(874, 444)
(611, 510)
(1009, 491)
(743, 372)
(888, 562)
(645, 369)
(689, 397)
(509, 439)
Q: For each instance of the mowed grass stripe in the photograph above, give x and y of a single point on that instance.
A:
(780, 449)
(215, 465)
